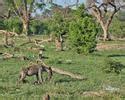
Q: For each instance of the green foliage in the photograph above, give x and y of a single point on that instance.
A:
(40, 5)
(38, 27)
(2, 26)
(117, 28)
(83, 32)
(113, 66)
(13, 24)
(58, 24)
(121, 15)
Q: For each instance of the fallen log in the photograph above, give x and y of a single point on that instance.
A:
(9, 56)
(72, 75)
(29, 42)
(9, 33)
(36, 42)
(63, 72)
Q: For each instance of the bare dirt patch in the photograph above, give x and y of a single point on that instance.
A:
(106, 46)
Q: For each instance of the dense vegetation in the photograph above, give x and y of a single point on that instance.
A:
(83, 32)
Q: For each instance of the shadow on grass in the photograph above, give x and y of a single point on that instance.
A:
(67, 80)
(44, 57)
(116, 55)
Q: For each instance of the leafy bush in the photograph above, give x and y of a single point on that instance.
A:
(38, 27)
(13, 24)
(82, 33)
(58, 24)
(2, 26)
(117, 28)
(113, 66)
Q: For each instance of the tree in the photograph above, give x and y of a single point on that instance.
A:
(24, 10)
(58, 25)
(104, 11)
(20, 8)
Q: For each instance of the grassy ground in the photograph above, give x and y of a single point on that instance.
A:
(62, 87)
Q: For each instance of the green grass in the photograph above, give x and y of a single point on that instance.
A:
(61, 87)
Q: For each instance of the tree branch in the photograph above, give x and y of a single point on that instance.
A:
(11, 33)
(112, 14)
(28, 12)
(16, 8)
(98, 14)
(31, 6)
(25, 5)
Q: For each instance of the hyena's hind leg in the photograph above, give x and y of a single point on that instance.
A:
(50, 73)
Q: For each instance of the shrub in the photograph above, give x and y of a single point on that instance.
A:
(37, 27)
(58, 24)
(2, 26)
(117, 28)
(13, 24)
(113, 66)
(82, 34)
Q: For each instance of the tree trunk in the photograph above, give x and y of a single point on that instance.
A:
(59, 45)
(106, 36)
(26, 27)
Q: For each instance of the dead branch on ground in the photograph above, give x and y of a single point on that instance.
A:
(63, 72)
